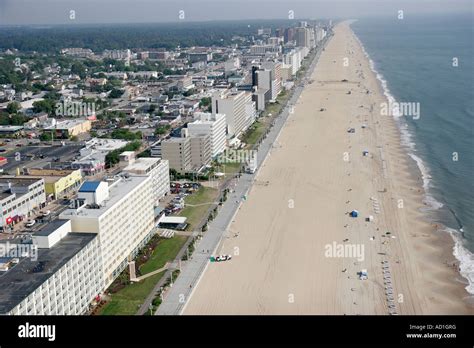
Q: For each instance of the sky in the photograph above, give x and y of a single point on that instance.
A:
(44, 12)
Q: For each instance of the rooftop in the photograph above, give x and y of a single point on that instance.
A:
(66, 124)
(142, 164)
(89, 186)
(50, 227)
(117, 191)
(18, 181)
(21, 280)
(10, 128)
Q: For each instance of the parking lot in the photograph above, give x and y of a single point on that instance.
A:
(38, 156)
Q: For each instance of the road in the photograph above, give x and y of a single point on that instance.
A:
(182, 290)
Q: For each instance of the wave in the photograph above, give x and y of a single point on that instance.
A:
(465, 258)
(426, 177)
(460, 252)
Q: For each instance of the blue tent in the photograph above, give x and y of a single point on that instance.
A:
(354, 213)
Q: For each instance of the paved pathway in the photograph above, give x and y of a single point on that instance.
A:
(149, 274)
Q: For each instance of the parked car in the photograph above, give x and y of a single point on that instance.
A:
(221, 258)
(30, 223)
(45, 213)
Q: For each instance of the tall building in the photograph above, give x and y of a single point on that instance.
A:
(59, 274)
(275, 78)
(201, 153)
(289, 34)
(178, 152)
(303, 37)
(213, 125)
(294, 58)
(264, 82)
(232, 104)
(157, 169)
(120, 213)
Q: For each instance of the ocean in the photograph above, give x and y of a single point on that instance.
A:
(428, 62)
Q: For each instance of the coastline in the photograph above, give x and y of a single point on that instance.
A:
(281, 249)
(455, 244)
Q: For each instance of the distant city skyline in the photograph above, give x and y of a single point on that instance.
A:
(44, 12)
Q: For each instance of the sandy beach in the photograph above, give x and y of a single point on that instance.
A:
(316, 175)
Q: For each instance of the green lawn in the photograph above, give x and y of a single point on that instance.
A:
(254, 133)
(201, 200)
(231, 168)
(127, 300)
(166, 250)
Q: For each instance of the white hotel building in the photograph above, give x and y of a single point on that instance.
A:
(233, 104)
(79, 255)
(121, 213)
(63, 279)
(213, 125)
(159, 171)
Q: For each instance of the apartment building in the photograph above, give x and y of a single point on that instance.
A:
(61, 275)
(295, 57)
(121, 212)
(201, 151)
(305, 37)
(157, 169)
(275, 78)
(213, 125)
(178, 152)
(232, 103)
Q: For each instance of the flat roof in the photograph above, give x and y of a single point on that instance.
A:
(21, 280)
(50, 227)
(173, 220)
(89, 186)
(10, 128)
(19, 181)
(142, 163)
(117, 191)
(66, 124)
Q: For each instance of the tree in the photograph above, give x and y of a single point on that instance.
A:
(205, 102)
(13, 107)
(162, 129)
(125, 134)
(112, 158)
(78, 69)
(46, 105)
(46, 136)
(115, 93)
(18, 120)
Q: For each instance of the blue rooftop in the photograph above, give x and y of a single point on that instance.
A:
(89, 186)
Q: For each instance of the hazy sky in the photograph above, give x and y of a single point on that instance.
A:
(136, 11)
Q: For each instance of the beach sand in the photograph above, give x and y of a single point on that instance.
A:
(284, 227)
